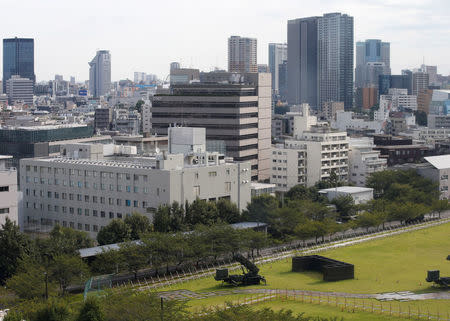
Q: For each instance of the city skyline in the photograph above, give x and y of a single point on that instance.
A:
(415, 29)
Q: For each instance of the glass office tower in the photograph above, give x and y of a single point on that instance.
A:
(18, 59)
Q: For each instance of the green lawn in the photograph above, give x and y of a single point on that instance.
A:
(395, 263)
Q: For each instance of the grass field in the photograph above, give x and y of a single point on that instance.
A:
(395, 263)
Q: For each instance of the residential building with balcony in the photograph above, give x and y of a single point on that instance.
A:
(363, 160)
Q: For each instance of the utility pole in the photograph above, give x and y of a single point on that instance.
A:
(162, 309)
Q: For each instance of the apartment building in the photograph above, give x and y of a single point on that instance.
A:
(311, 156)
(234, 108)
(9, 196)
(89, 185)
(363, 160)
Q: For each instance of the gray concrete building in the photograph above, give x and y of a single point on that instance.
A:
(93, 184)
(277, 55)
(102, 118)
(242, 54)
(19, 90)
(100, 74)
(335, 62)
(234, 108)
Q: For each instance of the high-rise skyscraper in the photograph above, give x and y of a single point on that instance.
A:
(242, 55)
(277, 54)
(302, 61)
(18, 59)
(100, 74)
(335, 63)
(372, 59)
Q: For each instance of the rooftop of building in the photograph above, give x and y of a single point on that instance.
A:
(5, 157)
(43, 127)
(401, 147)
(347, 189)
(256, 185)
(439, 162)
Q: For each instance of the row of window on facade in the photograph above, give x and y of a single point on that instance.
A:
(87, 185)
(79, 226)
(80, 211)
(85, 173)
(118, 202)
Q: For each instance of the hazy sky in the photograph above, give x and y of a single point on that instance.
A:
(146, 35)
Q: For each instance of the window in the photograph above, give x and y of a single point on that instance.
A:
(56, 208)
(95, 186)
(86, 212)
(119, 202)
(144, 204)
(119, 188)
(64, 209)
(71, 196)
(111, 187)
(119, 215)
(95, 228)
(135, 203)
(102, 186)
(227, 186)
(80, 211)
(102, 200)
(212, 174)
(110, 201)
(80, 184)
(71, 210)
(56, 181)
(196, 190)
(94, 213)
(80, 226)
(102, 214)
(94, 199)
(136, 189)
(49, 194)
(145, 190)
(127, 203)
(196, 175)
(111, 215)
(128, 176)
(86, 184)
(135, 177)
(128, 189)
(79, 197)
(4, 210)
(86, 198)
(56, 195)
(145, 178)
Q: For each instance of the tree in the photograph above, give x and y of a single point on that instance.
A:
(345, 206)
(67, 269)
(141, 305)
(91, 311)
(64, 240)
(255, 240)
(139, 224)
(139, 105)
(52, 311)
(227, 211)
(134, 257)
(115, 232)
(260, 208)
(283, 221)
(368, 219)
(421, 117)
(201, 212)
(298, 192)
(160, 249)
(169, 218)
(30, 281)
(14, 246)
(108, 262)
(440, 206)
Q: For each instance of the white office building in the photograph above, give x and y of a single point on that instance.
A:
(92, 184)
(363, 160)
(9, 196)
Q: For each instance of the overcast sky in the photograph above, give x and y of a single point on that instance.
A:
(146, 35)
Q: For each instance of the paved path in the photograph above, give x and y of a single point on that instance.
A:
(400, 296)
